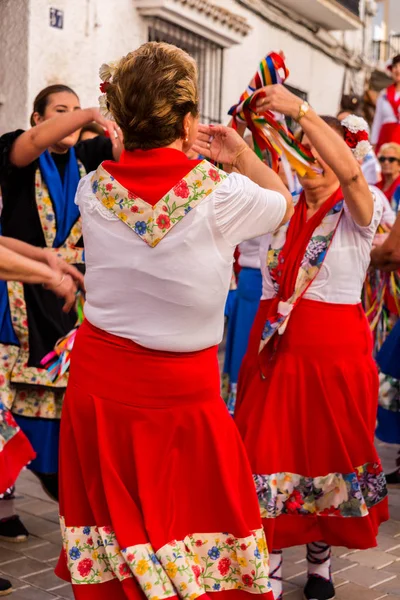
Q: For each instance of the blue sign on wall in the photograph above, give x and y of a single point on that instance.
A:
(56, 18)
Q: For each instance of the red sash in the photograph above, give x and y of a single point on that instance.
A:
(391, 190)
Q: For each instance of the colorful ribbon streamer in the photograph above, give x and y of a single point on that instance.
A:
(58, 360)
(268, 133)
(381, 302)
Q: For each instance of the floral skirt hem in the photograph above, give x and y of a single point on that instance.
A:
(355, 533)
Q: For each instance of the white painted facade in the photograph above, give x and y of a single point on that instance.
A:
(34, 54)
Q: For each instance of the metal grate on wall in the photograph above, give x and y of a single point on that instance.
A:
(209, 58)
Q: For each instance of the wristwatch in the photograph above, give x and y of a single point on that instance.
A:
(303, 110)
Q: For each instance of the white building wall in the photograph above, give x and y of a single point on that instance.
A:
(97, 31)
(14, 46)
(94, 32)
(311, 70)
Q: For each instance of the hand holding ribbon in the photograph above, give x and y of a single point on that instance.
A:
(268, 132)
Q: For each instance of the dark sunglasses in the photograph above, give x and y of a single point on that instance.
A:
(390, 159)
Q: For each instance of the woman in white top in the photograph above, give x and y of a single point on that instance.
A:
(386, 124)
(156, 494)
(307, 392)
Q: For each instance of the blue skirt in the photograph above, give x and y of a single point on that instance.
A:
(44, 435)
(248, 296)
(388, 360)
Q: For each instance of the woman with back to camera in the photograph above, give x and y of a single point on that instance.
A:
(39, 173)
(162, 502)
(308, 388)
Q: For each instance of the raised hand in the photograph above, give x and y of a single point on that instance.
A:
(114, 131)
(220, 144)
(278, 99)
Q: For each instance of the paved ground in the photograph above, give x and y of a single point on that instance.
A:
(369, 575)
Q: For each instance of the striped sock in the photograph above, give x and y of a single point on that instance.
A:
(319, 560)
(275, 573)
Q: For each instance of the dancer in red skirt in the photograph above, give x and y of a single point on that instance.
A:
(386, 125)
(308, 388)
(157, 498)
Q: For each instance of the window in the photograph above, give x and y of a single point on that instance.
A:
(209, 58)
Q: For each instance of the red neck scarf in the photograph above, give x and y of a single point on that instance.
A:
(298, 236)
(150, 174)
(391, 190)
(394, 103)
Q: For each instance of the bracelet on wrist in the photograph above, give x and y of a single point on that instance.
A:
(53, 287)
(239, 154)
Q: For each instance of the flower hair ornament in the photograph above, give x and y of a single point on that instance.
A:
(106, 72)
(356, 136)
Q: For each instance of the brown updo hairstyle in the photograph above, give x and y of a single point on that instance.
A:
(153, 89)
(42, 99)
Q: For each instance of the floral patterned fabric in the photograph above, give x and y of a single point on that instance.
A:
(389, 393)
(152, 223)
(36, 395)
(335, 494)
(313, 259)
(189, 568)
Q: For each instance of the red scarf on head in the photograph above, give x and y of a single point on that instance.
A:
(299, 234)
(391, 190)
(150, 174)
(394, 103)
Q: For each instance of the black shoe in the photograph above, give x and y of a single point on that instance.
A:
(318, 588)
(13, 530)
(8, 494)
(393, 478)
(49, 483)
(5, 587)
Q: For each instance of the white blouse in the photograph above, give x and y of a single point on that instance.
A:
(341, 277)
(171, 297)
(383, 114)
(250, 253)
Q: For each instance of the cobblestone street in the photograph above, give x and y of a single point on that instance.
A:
(368, 575)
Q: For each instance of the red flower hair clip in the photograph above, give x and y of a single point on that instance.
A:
(356, 136)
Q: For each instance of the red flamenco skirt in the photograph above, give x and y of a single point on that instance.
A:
(308, 428)
(157, 498)
(15, 449)
(390, 132)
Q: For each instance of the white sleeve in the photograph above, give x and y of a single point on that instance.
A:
(84, 186)
(369, 230)
(371, 169)
(388, 215)
(378, 119)
(244, 210)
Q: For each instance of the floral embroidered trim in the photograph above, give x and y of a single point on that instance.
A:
(336, 494)
(189, 568)
(48, 219)
(311, 264)
(152, 223)
(389, 393)
(19, 372)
